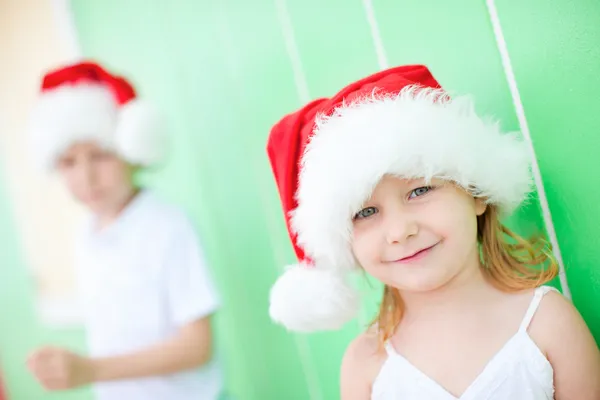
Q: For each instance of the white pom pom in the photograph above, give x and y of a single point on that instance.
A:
(141, 134)
(307, 299)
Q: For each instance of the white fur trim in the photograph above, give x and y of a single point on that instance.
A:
(71, 114)
(140, 134)
(306, 299)
(76, 113)
(420, 133)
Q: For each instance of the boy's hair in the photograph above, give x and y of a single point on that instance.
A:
(511, 262)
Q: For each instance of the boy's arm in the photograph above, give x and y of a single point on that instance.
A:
(191, 347)
(59, 369)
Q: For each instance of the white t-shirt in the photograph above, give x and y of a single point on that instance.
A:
(140, 280)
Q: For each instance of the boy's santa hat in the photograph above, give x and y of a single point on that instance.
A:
(328, 156)
(84, 102)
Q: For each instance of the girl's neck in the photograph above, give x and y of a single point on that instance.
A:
(466, 289)
(107, 217)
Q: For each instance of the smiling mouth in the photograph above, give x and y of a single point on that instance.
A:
(415, 256)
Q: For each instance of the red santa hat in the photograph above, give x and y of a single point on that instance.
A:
(328, 156)
(84, 102)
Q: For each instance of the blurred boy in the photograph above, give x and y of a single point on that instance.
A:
(146, 293)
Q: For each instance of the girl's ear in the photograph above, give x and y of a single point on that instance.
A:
(480, 206)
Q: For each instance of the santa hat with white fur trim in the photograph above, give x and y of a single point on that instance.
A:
(328, 156)
(82, 102)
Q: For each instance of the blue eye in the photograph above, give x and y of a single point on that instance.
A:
(419, 191)
(366, 212)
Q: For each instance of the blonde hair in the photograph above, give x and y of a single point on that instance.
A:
(511, 262)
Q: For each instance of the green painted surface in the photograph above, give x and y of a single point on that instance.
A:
(223, 76)
(556, 58)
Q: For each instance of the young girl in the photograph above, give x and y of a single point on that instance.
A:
(146, 293)
(394, 176)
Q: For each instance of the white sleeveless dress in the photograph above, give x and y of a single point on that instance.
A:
(519, 371)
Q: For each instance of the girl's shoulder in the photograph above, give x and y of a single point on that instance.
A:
(563, 336)
(366, 345)
(523, 301)
(364, 356)
(551, 317)
(546, 315)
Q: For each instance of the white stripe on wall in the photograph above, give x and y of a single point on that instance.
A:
(292, 50)
(66, 24)
(516, 97)
(283, 17)
(382, 60)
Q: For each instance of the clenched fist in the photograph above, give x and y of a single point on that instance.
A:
(60, 369)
